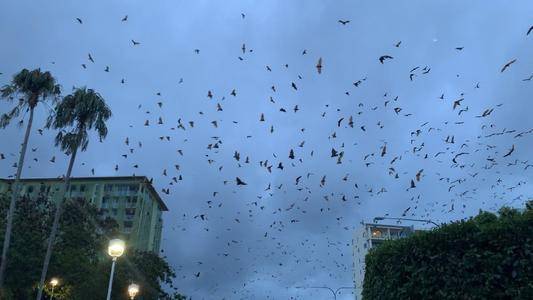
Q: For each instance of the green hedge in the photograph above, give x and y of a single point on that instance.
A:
(487, 257)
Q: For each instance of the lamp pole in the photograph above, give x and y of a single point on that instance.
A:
(53, 283)
(333, 292)
(405, 219)
(115, 250)
(110, 285)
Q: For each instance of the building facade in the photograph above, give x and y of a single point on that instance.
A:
(131, 201)
(365, 238)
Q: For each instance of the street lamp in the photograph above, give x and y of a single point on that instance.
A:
(115, 250)
(53, 282)
(404, 219)
(333, 292)
(133, 290)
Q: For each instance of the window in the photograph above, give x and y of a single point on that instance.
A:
(115, 211)
(73, 188)
(82, 188)
(105, 202)
(131, 201)
(30, 189)
(108, 188)
(127, 189)
(376, 233)
(128, 225)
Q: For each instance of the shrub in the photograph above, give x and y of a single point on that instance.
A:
(486, 257)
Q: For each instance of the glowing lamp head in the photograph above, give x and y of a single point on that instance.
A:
(116, 248)
(54, 282)
(133, 290)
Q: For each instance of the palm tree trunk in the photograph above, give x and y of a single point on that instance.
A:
(14, 195)
(55, 226)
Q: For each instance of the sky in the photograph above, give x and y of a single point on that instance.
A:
(290, 227)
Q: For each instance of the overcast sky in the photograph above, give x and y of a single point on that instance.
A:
(260, 243)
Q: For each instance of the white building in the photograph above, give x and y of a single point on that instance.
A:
(366, 237)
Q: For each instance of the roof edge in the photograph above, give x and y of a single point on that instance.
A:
(143, 178)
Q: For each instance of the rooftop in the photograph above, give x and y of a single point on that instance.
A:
(143, 179)
(378, 225)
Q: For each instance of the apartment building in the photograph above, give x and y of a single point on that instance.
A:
(366, 237)
(131, 201)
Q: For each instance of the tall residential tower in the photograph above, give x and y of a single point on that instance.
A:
(368, 236)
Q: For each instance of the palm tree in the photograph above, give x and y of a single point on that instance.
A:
(30, 87)
(75, 115)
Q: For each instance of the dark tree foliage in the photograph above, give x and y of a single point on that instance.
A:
(27, 245)
(80, 259)
(486, 257)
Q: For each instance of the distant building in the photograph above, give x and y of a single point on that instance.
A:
(131, 201)
(368, 236)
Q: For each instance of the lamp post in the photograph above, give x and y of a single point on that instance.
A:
(333, 292)
(405, 219)
(115, 250)
(53, 282)
(133, 290)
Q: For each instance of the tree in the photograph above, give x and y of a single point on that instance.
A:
(74, 116)
(80, 260)
(31, 217)
(146, 269)
(31, 87)
(486, 257)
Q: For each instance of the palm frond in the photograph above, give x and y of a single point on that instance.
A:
(76, 114)
(67, 142)
(9, 116)
(31, 87)
(8, 91)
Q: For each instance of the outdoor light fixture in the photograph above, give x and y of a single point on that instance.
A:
(133, 290)
(53, 282)
(115, 250)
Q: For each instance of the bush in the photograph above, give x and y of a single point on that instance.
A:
(487, 257)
